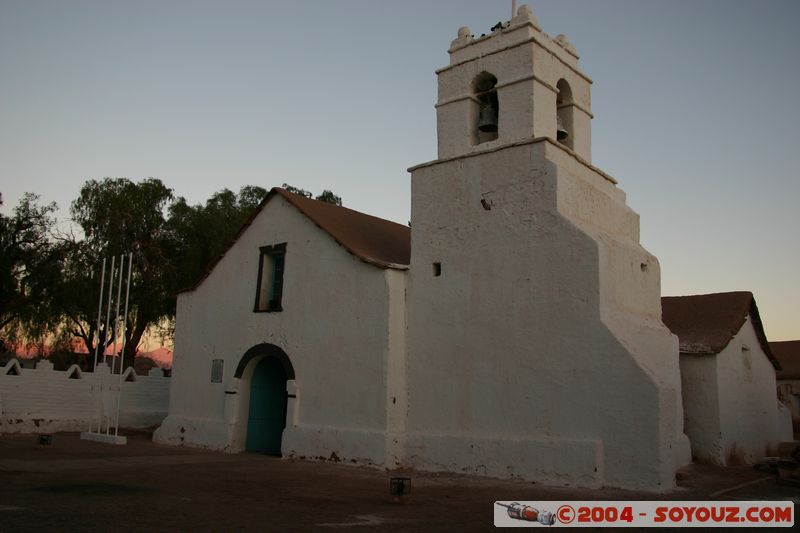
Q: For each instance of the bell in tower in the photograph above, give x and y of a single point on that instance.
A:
(502, 88)
(487, 119)
(489, 108)
(561, 130)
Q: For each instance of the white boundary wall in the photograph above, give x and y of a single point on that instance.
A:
(44, 400)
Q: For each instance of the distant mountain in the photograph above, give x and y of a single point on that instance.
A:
(162, 356)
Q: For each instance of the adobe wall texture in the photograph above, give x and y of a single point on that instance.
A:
(539, 352)
(752, 422)
(789, 393)
(701, 408)
(339, 327)
(732, 415)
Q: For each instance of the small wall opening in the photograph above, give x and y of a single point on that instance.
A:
(437, 269)
(486, 108)
(747, 363)
(270, 278)
(565, 126)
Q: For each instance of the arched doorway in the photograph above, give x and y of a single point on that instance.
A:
(267, 410)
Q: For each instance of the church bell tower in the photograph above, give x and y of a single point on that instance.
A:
(515, 83)
(535, 346)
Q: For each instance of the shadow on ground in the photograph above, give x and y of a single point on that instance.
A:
(87, 486)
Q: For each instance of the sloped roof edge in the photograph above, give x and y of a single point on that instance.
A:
(788, 355)
(390, 246)
(706, 323)
(324, 216)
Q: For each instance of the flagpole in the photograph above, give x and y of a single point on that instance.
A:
(97, 332)
(105, 337)
(124, 339)
(116, 325)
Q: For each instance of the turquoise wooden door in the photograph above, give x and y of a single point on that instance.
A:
(267, 415)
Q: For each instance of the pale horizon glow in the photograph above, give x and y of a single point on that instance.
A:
(694, 106)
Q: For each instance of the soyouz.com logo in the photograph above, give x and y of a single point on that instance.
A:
(644, 514)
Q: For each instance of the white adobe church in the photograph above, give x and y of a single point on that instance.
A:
(514, 330)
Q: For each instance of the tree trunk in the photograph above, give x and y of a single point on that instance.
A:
(132, 343)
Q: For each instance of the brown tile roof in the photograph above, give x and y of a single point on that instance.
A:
(706, 323)
(373, 240)
(788, 355)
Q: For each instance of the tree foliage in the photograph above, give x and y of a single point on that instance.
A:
(29, 269)
(329, 197)
(325, 196)
(297, 190)
(200, 233)
(50, 283)
(117, 217)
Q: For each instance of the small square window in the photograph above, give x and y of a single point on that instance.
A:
(270, 278)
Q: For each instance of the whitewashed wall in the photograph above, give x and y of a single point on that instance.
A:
(539, 352)
(752, 421)
(701, 409)
(789, 392)
(336, 328)
(47, 400)
(527, 102)
(732, 413)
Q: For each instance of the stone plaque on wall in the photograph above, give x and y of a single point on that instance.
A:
(216, 370)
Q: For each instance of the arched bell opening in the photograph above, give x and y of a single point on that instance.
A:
(486, 108)
(565, 124)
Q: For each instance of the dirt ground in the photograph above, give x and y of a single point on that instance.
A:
(75, 485)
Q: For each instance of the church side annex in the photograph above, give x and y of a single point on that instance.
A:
(522, 336)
